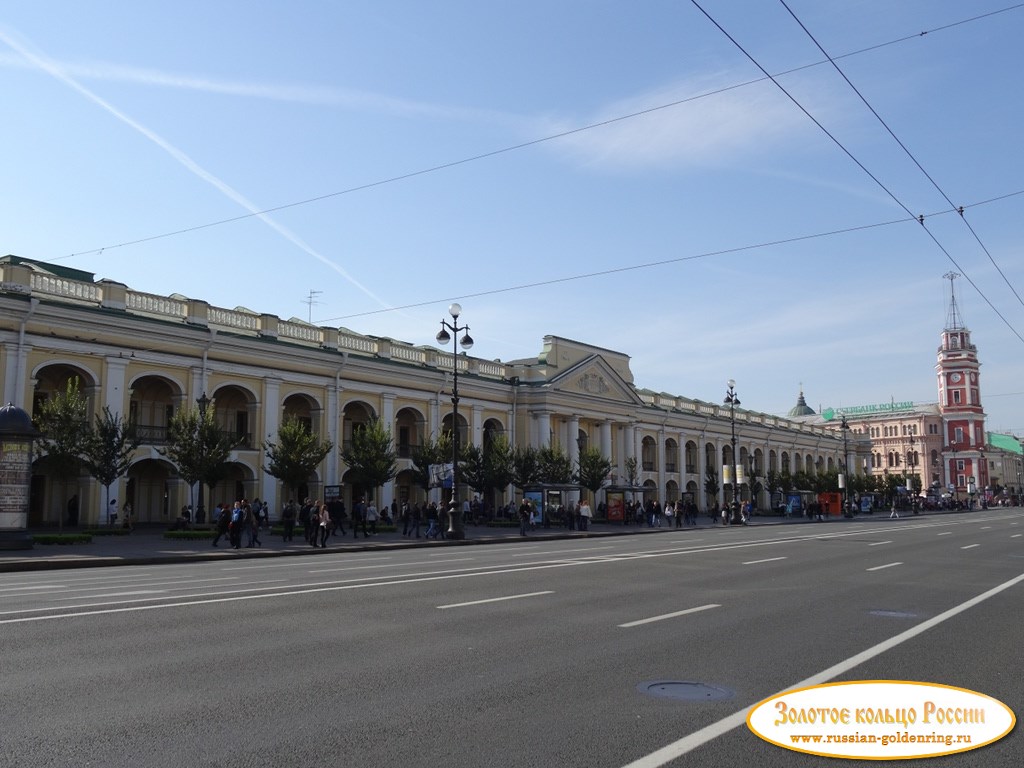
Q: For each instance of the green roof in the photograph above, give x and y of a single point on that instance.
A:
(1007, 443)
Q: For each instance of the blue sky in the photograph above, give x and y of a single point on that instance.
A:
(594, 170)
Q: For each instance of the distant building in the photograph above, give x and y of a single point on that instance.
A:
(940, 446)
(149, 356)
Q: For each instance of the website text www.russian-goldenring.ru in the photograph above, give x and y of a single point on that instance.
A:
(885, 740)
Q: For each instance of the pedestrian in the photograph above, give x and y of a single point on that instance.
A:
(336, 509)
(127, 510)
(305, 518)
(894, 513)
(371, 517)
(525, 515)
(288, 520)
(406, 518)
(252, 524)
(112, 513)
(314, 524)
(73, 511)
(324, 525)
(235, 526)
(432, 529)
(359, 519)
(222, 519)
(417, 518)
(585, 515)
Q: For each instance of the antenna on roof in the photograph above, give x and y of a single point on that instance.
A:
(311, 300)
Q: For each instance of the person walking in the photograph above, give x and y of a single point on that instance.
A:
(324, 526)
(585, 515)
(359, 519)
(371, 518)
(288, 520)
(252, 524)
(406, 518)
(417, 518)
(222, 519)
(432, 529)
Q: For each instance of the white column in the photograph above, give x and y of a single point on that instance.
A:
(333, 471)
(388, 419)
(661, 456)
(605, 431)
(271, 424)
(543, 429)
(476, 436)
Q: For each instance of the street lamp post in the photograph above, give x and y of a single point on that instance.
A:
(843, 480)
(911, 493)
(204, 403)
(455, 528)
(732, 400)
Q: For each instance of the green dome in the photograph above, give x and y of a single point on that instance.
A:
(801, 408)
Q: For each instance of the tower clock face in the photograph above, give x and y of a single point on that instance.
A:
(955, 378)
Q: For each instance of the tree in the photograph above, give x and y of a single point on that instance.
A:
(296, 454)
(711, 487)
(471, 468)
(592, 468)
(499, 465)
(555, 465)
(108, 453)
(65, 434)
(198, 449)
(431, 452)
(371, 457)
(525, 466)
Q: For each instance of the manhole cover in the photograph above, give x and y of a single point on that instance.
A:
(894, 614)
(685, 690)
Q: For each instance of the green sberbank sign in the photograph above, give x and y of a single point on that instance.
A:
(865, 410)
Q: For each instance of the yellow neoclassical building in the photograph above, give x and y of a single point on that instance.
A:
(145, 356)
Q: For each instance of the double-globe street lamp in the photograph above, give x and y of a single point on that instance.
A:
(455, 528)
(732, 400)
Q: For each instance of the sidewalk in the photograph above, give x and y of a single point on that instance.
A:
(147, 545)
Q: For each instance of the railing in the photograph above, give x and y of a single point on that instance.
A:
(670, 466)
(299, 331)
(648, 466)
(155, 305)
(69, 289)
(232, 318)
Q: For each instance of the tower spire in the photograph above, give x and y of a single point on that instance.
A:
(953, 320)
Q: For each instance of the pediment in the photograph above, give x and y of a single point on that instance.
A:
(594, 378)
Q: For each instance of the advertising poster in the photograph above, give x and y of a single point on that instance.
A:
(616, 505)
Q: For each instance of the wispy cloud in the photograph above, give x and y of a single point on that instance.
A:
(708, 120)
(298, 93)
(47, 65)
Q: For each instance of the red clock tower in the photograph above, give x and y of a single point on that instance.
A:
(963, 420)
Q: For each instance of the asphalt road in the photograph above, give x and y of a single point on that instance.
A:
(522, 654)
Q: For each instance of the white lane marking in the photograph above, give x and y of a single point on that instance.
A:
(766, 560)
(288, 593)
(559, 551)
(881, 567)
(494, 600)
(670, 615)
(298, 562)
(985, 527)
(879, 543)
(1017, 535)
(945, 533)
(389, 565)
(125, 594)
(699, 738)
(37, 586)
(971, 546)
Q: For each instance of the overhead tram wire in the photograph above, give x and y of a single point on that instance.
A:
(953, 206)
(663, 262)
(526, 144)
(859, 164)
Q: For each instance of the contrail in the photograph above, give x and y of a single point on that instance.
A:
(47, 65)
